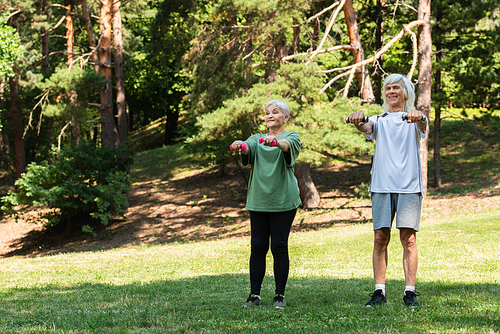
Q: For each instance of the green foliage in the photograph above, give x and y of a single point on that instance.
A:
(84, 180)
(67, 92)
(320, 123)
(157, 83)
(10, 47)
(324, 133)
(362, 190)
(237, 46)
(467, 53)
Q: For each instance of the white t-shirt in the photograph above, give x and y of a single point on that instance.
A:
(396, 164)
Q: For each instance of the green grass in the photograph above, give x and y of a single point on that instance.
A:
(165, 163)
(470, 152)
(200, 287)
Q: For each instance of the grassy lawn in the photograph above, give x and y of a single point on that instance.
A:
(200, 287)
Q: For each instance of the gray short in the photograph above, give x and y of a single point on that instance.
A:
(407, 206)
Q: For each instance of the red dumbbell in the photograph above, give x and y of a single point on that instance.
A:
(243, 147)
(261, 140)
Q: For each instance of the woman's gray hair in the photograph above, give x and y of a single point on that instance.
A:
(285, 109)
(408, 89)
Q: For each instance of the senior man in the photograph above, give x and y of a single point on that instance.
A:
(396, 185)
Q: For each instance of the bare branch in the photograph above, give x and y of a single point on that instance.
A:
(14, 14)
(377, 55)
(317, 14)
(60, 135)
(338, 47)
(235, 27)
(332, 81)
(328, 28)
(338, 69)
(415, 50)
(352, 69)
(54, 27)
(43, 97)
(248, 55)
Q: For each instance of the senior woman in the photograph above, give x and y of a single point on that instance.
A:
(272, 199)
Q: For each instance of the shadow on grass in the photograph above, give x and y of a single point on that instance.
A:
(207, 206)
(213, 304)
(177, 212)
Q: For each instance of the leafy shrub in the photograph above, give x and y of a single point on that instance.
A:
(362, 190)
(84, 181)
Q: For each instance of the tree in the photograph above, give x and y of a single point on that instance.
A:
(44, 37)
(90, 33)
(66, 94)
(223, 73)
(424, 77)
(466, 61)
(119, 79)
(379, 43)
(108, 128)
(358, 53)
(17, 127)
(10, 52)
(10, 47)
(320, 123)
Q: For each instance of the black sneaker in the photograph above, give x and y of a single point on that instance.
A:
(279, 301)
(410, 298)
(252, 300)
(377, 299)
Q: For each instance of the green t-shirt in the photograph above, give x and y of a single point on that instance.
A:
(272, 186)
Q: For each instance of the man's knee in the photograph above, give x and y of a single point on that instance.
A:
(382, 237)
(408, 238)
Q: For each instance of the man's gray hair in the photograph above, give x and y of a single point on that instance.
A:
(408, 89)
(285, 109)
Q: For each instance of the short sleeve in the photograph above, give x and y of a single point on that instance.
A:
(372, 135)
(294, 140)
(252, 142)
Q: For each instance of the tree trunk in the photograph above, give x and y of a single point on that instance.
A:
(308, 192)
(90, 33)
(70, 32)
(437, 118)
(296, 36)
(75, 123)
(358, 54)
(120, 82)
(4, 139)
(437, 147)
(108, 128)
(45, 51)
(379, 43)
(70, 50)
(315, 37)
(45, 46)
(171, 126)
(424, 77)
(17, 127)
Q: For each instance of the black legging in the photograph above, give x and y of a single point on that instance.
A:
(277, 226)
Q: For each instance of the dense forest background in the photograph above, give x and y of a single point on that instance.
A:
(86, 71)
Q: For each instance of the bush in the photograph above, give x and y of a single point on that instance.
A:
(84, 181)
